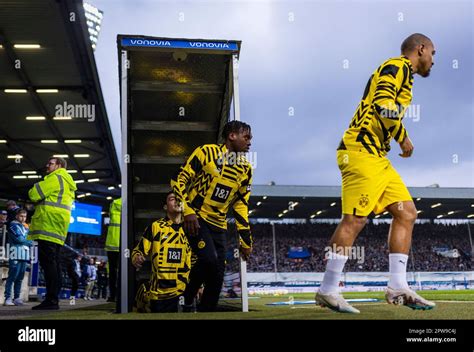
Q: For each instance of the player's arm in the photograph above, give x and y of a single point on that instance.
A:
(143, 248)
(390, 81)
(241, 214)
(180, 184)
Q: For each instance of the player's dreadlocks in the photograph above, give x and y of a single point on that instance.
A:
(234, 127)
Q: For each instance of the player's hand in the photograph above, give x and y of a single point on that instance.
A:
(191, 224)
(137, 261)
(407, 148)
(245, 252)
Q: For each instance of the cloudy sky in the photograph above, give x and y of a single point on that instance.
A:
(314, 58)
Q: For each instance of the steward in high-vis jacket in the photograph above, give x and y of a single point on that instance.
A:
(112, 245)
(53, 198)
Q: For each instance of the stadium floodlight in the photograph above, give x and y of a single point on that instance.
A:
(3, 141)
(79, 181)
(259, 203)
(418, 199)
(109, 198)
(28, 172)
(81, 196)
(49, 141)
(470, 216)
(72, 171)
(110, 187)
(60, 156)
(93, 180)
(81, 155)
(333, 204)
(70, 141)
(35, 118)
(319, 212)
(440, 216)
(93, 19)
(436, 205)
(41, 91)
(15, 91)
(19, 176)
(450, 212)
(265, 197)
(26, 46)
(89, 172)
(15, 156)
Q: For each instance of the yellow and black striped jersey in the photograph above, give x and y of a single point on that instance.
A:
(210, 182)
(378, 117)
(170, 254)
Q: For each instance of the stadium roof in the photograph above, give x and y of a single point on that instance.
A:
(48, 71)
(315, 202)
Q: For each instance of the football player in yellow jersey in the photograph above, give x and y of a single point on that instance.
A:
(215, 178)
(369, 181)
(165, 242)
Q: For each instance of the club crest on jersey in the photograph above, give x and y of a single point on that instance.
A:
(364, 200)
(201, 244)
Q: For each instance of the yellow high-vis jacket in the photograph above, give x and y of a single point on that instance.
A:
(53, 197)
(112, 242)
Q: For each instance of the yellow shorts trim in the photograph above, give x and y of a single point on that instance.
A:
(369, 183)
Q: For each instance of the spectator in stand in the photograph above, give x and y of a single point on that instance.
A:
(3, 218)
(91, 279)
(19, 256)
(102, 280)
(74, 272)
(12, 208)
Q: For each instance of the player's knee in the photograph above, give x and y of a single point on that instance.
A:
(355, 222)
(408, 215)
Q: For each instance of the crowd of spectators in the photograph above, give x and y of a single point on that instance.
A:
(371, 248)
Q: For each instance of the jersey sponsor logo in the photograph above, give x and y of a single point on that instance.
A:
(221, 193)
(174, 255)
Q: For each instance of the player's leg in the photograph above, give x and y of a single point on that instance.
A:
(362, 185)
(399, 241)
(215, 274)
(203, 247)
(397, 200)
(342, 239)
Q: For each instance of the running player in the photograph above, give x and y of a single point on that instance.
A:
(369, 181)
